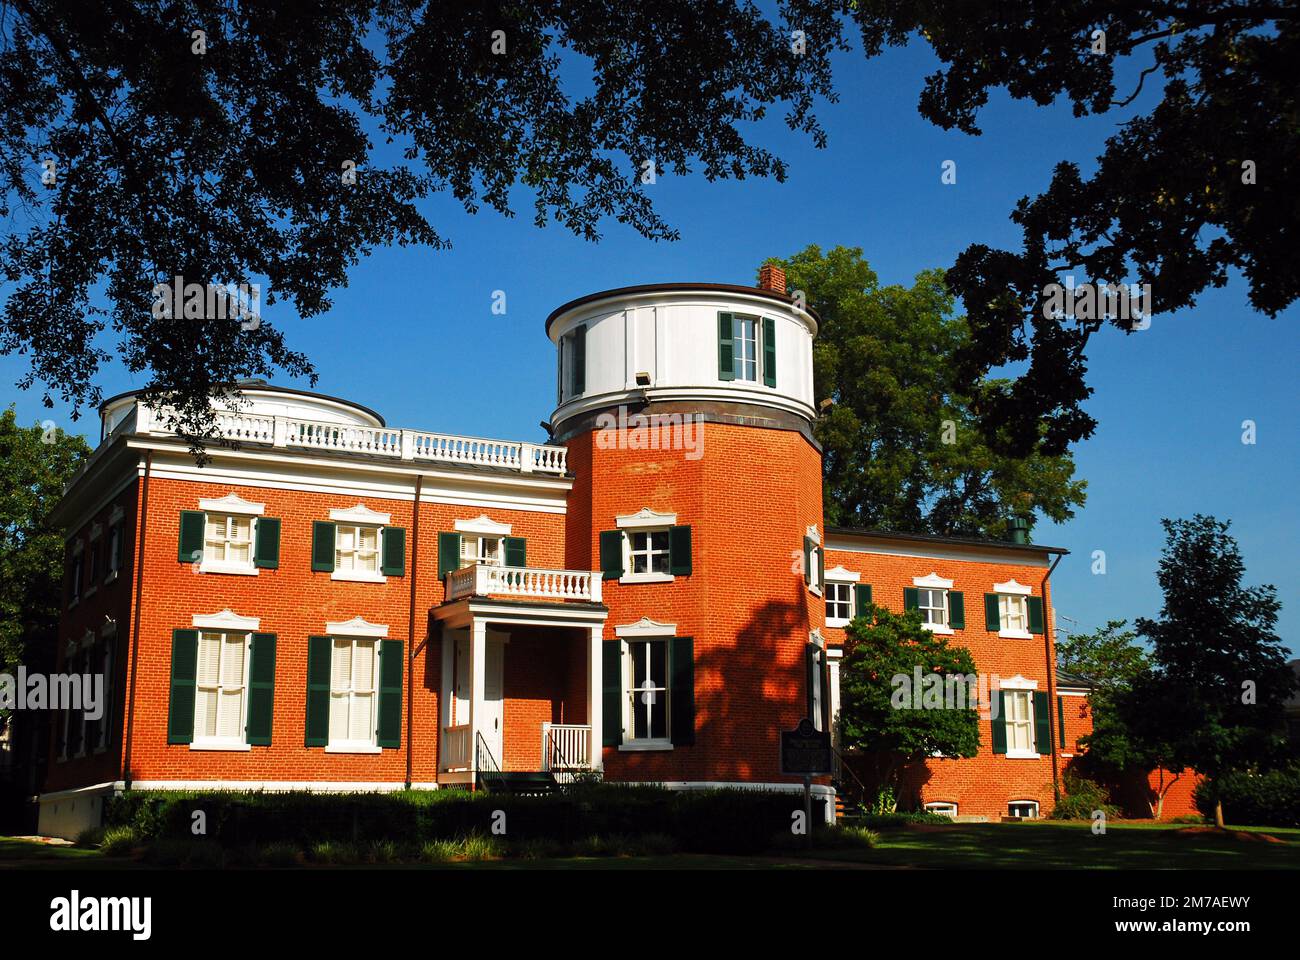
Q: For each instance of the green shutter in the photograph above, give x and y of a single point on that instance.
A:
(611, 679)
(681, 690)
(821, 568)
(769, 351)
(992, 614)
(389, 731)
(809, 665)
(1000, 722)
(448, 554)
(679, 551)
(1060, 719)
(579, 359)
(611, 554)
(726, 349)
(956, 610)
(911, 599)
(185, 668)
(394, 564)
(261, 689)
(1042, 724)
(317, 720)
(266, 551)
(1035, 614)
(190, 548)
(861, 599)
(322, 546)
(516, 550)
(807, 560)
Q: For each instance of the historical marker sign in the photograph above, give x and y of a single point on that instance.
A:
(805, 751)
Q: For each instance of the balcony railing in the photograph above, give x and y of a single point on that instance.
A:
(455, 747)
(566, 747)
(482, 580)
(414, 445)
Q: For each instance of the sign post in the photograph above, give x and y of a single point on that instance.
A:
(806, 752)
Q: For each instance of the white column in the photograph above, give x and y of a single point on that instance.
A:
(595, 698)
(477, 674)
(448, 695)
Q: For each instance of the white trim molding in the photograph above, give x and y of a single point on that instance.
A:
(842, 575)
(645, 517)
(483, 525)
(116, 514)
(227, 619)
(1017, 683)
(645, 627)
(361, 514)
(932, 581)
(356, 627)
(232, 503)
(1011, 587)
(813, 535)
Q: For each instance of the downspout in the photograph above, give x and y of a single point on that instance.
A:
(135, 627)
(1051, 678)
(410, 632)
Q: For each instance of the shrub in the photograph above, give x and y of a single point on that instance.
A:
(195, 854)
(335, 852)
(90, 837)
(1082, 798)
(440, 851)
(280, 854)
(538, 848)
(383, 851)
(118, 841)
(896, 821)
(1269, 799)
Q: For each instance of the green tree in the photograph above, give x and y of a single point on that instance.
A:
(1213, 700)
(883, 719)
(34, 466)
(901, 450)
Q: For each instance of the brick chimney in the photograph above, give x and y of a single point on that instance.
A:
(771, 277)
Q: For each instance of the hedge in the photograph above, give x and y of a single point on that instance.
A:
(705, 821)
(1253, 799)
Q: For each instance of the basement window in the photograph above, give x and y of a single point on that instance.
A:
(1023, 809)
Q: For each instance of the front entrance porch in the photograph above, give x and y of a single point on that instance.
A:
(520, 692)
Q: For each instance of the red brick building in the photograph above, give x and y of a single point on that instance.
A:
(331, 603)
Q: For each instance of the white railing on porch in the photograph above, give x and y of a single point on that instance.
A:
(455, 747)
(389, 442)
(566, 747)
(481, 580)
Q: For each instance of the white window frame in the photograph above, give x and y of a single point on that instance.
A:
(1025, 694)
(108, 635)
(94, 558)
(1013, 591)
(1023, 803)
(116, 532)
(87, 645)
(78, 571)
(934, 582)
(239, 743)
(645, 521)
(738, 359)
(944, 808)
(478, 555)
(355, 637)
(814, 561)
(839, 577)
(353, 573)
(635, 634)
(209, 563)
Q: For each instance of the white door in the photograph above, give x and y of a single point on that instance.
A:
(494, 718)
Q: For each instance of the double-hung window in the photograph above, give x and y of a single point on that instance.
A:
(647, 689)
(1019, 706)
(745, 347)
(221, 689)
(228, 541)
(933, 604)
(839, 603)
(648, 551)
(356, 549)
(485, 550)
(1014, 613)
(353, 673)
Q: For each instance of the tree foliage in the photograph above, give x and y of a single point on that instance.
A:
(901, 446)
(1171, 201)
(883, 646)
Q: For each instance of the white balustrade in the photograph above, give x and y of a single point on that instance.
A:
(566, 746)
(482, 580)
(455, 747)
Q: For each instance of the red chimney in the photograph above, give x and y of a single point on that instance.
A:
(771, 277)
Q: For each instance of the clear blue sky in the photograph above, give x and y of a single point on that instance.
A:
(413, 335)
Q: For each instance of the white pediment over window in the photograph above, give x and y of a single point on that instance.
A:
(645, 517)
(1018, 683)
(842, 575)
(232, 503)
(356, 627)
(813, 535)
(483, 525)
(361, 514)
(1012, 587)
(932, 582)
(815, 637)
(645, 627)
(226, 620)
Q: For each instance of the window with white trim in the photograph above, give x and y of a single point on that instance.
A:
(221, 688)
(114, 549)
(1023, 809)
(76, 575)
(839, 603)
(1013, 613)
(1019, 705)
(356, 548)
(475, 549)
(933, 604)
(353, 694)
(648, 551)
(647, 687)
(744, 336)
(943, 808)
(228, 540)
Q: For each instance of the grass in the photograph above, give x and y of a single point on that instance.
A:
(1032, 845)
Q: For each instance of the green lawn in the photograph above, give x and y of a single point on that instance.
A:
(1035, 845)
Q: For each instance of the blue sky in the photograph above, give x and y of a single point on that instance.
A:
(413, 335)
